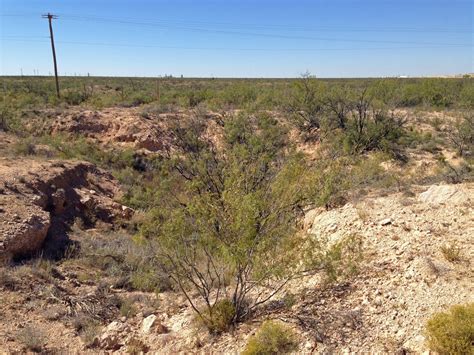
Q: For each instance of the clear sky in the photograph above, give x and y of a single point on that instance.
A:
(245, 38)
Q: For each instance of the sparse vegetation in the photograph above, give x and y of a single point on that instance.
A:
(33, 338)
(136, 346)
(127, 307)
(452, 332)
(462, 135)
(271, 338)
(451, 252)
(219, 318)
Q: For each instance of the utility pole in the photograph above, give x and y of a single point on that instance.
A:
(50, 17)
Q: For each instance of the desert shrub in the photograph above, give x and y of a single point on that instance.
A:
(131, 264)
(452, 332)
(338, 104)
(238, 95)
(271, 338)
(451, 252)
(461, 135)
(127, 307)
(196, 97)
(33, 338)
(147, 280)
(370, 130)
(438, 93)
(467, 96)
(53, 313)
(24, 146)
(306, 104)
(338, 260)
(453, 174)
(222, 212)
(138, 99)
(219, 318)
(288, 300)
(6, 116)
(79, 147)
(81, 321)
(74, 97)
(334, 175)
(88, 329)
(10, 108)
(410, 95)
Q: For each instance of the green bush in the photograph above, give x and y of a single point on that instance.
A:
(222, 212)
(461, 135)
(146, 280)
(452, 332)
(127, 307)
(218, 318)
(24, 147)
(271, 338)
(306, 104)
(74, 97)
(8, 117)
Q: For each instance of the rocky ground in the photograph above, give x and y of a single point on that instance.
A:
(38, 198)
(417, 258)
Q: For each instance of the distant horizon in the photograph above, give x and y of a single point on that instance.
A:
(441, 76)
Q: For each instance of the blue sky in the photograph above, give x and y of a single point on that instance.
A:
(246, 38)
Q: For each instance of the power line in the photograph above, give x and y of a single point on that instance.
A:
(109, 44)
(251, 34)
(336, 28)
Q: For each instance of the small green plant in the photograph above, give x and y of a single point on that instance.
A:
(452, 332)
(127, 307)
(451, 252)
(86, 327)
(90, 333)
(271, 338)
(32, 338)
(218, 318)
(289, 300)
(145, 280)
(338, 260)
(24, 147)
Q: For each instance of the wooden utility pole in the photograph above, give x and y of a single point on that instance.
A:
(50, 17)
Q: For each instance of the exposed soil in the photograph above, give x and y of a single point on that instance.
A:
(39, 199)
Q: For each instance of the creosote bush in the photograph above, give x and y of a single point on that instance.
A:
(452, 332)
(271, 338)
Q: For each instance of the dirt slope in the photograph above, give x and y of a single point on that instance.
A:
(126, 127)
(39, 198)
